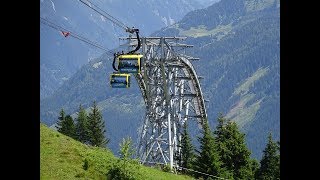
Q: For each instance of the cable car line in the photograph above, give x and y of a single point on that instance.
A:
(127, 62)
(75, 35)
(106, 15)
(117, 22)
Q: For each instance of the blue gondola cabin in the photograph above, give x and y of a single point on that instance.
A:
(120, 80)
(129, 63)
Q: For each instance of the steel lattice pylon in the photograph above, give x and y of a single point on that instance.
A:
(172, 95)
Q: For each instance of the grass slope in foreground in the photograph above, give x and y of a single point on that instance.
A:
(62, 157)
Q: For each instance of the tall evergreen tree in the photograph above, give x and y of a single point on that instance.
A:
(270, 162)
(208, 159)
(232, 148)
(65, 124)
(187, 149)
(220, 132)
(70, 127)
(96, 127)
(82, 131)
(255, 166)
(61, 121)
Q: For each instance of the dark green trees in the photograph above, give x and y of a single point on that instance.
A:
(61, 121)
(270, 162)
(208, 159)
(71, 131)
(82, 131)
(187, 149)
(65, 124)
(89, 129)
(96, 127)
(232, 149)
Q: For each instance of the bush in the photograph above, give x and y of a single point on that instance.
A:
(126, 168)
(86, 164)
(167, 168)
(119, 172)
(79, 175)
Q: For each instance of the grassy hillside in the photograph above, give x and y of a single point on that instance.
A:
(62, 157)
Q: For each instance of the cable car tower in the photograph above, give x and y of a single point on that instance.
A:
(170, 88)
(171, 91)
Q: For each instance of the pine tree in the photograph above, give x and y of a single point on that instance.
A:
(82, 132)
(126, 150)
(208, 159)
(278, 160)
(219, 132)
(255, 166)
(270, 162)
(126, 153)
(187, 149)
(70, 127)
(232, 149)
(65, 124)
(61, 120)
(96, 127)
(126, 167)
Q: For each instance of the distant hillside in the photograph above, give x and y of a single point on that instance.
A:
(238, 43)
(207, 3)
(61, 157)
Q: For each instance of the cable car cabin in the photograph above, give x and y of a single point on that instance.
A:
(120, 80)
(129, 63)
